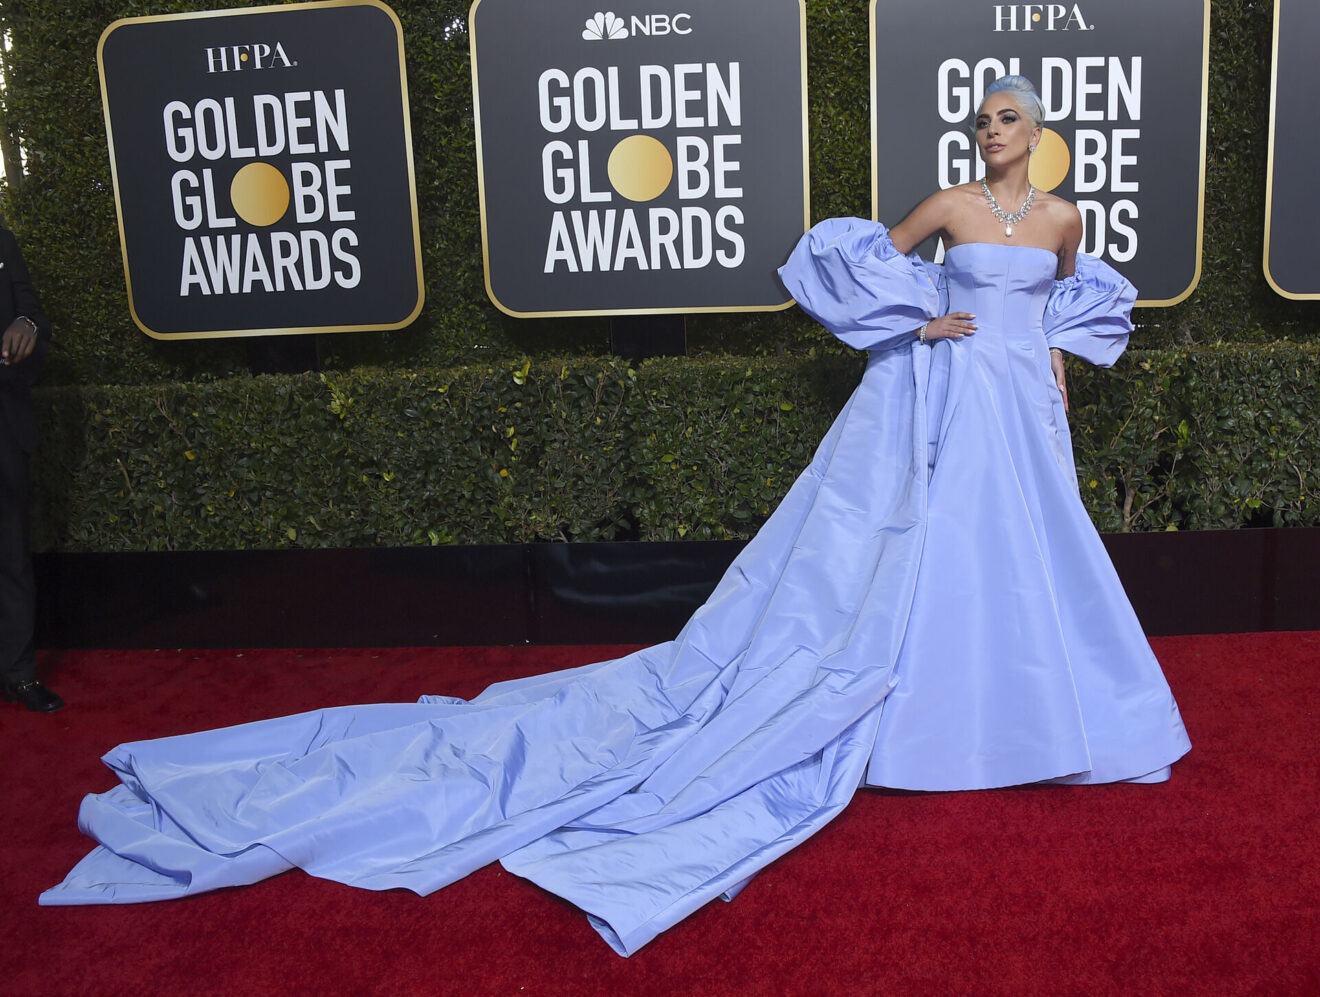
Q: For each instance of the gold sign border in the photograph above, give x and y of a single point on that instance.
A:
(1269, 172)
(408, 149)
(1200, 198)
(481, 197)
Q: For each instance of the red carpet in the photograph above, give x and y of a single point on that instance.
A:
(1209, 884)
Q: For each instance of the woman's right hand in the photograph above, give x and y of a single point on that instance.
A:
(954, 325)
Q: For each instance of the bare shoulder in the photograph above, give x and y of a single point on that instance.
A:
(1058, 210)
(949, 200)
(933, 216)
(1063, 217)
(964, 194)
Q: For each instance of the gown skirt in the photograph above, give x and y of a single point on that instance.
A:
(929, 608)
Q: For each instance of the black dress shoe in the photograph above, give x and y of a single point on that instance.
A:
(32, 694)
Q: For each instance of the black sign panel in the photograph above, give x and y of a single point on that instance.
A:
(1292, 213)
(263, 175)
(640, 159)
(1124, 88)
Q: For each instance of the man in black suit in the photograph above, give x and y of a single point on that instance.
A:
(24, 340)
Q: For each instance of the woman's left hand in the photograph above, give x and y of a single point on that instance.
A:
(1060, 377)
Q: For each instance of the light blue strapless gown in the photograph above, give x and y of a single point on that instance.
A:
(928, 608)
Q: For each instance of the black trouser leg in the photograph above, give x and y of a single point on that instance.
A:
(18, 590)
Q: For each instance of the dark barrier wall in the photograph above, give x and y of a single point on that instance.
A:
(1207, 582)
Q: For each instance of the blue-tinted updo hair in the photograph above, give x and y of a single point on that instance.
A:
(1023, 91)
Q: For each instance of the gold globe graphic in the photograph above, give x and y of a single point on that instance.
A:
(1050, 162)
(640, 168)
(260, 194)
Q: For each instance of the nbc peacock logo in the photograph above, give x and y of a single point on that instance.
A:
(603, 26)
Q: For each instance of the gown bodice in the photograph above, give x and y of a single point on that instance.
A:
(1005, 287)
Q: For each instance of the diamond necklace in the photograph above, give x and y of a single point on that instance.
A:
(1016, 217)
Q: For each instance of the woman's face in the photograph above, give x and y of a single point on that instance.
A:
(1003, 132)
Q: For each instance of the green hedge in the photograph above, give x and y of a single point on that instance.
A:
(355, 459)
(1200, 439)
(592, 449)
(64, 212)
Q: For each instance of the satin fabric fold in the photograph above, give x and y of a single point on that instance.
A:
(928, 607)
(726, 746)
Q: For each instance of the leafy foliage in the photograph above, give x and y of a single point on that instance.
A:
(592, 449)
(718, 442)
(1203, 438)
(354, 459)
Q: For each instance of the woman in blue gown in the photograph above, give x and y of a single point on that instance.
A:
(929, 608)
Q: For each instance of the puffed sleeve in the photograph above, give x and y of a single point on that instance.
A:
(846, 274)
(1090, 313)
